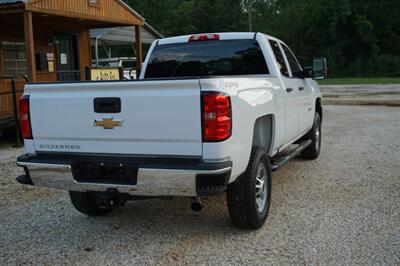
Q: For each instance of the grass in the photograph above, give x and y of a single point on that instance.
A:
(351, 81)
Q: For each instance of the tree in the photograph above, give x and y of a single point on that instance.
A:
(358, 37)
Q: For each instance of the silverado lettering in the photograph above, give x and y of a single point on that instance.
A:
(57, 146)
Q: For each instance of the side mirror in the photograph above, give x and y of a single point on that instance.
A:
(319, 68)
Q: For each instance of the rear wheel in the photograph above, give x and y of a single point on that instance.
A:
(249, 197)
(312, 151)
(87, 203)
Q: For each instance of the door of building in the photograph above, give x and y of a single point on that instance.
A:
(67, 58)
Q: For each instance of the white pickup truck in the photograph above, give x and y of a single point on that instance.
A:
(211, 113)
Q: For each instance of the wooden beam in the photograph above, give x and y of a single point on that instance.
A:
(88, 17)
(6, 12)
(29, 47)
(1, 64)
(138, 49)
(85, 54)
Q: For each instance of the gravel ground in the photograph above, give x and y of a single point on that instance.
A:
(341, 209)
(362, 94)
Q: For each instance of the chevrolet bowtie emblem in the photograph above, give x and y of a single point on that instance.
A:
(108, 123)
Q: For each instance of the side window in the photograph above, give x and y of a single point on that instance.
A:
(293, 63)
(279, 57)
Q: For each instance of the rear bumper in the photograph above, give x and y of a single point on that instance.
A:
(150, 177)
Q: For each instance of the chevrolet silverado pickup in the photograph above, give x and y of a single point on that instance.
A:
(211, 113)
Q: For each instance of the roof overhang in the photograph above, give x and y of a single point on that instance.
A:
(123, 35)
(9, 7)
(115, 12)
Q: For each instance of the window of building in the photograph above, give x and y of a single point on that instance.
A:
(14, 59)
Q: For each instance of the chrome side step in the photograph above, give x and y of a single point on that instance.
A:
(281, 160)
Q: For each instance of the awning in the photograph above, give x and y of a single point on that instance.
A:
(123, 35)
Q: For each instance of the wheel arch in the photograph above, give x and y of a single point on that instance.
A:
(264, 133)
(318, 107)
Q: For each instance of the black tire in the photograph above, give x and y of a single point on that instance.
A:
(315, 134)
(241, 195)
(86, 203)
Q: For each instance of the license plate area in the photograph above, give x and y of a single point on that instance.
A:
(117, 173)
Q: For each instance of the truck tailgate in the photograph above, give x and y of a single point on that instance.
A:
(156, 118)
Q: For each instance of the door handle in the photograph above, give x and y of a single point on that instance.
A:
(301, 88)
(289, 89)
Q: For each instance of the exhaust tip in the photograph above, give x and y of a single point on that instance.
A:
(196, 206)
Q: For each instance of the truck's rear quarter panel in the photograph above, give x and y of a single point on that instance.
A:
(251, 97)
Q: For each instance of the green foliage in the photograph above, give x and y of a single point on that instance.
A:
(358, 37)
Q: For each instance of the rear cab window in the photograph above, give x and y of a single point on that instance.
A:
(206, 58)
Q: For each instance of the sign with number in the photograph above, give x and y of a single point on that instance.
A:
(93, 3)
(49, 56)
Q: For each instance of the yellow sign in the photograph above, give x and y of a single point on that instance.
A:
(104, 74)
(50, 66)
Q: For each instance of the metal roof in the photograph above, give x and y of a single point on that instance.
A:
(123, 35)
(12, 1)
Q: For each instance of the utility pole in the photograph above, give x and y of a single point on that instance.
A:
(249, 12)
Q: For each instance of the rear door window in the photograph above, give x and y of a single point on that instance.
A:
(206, 58)
(279, 58)
(293, 63)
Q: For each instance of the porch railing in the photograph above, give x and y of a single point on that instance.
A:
(11, 88)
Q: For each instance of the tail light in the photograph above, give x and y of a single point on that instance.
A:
(216, 116)
(24, 118)
(204, 37)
